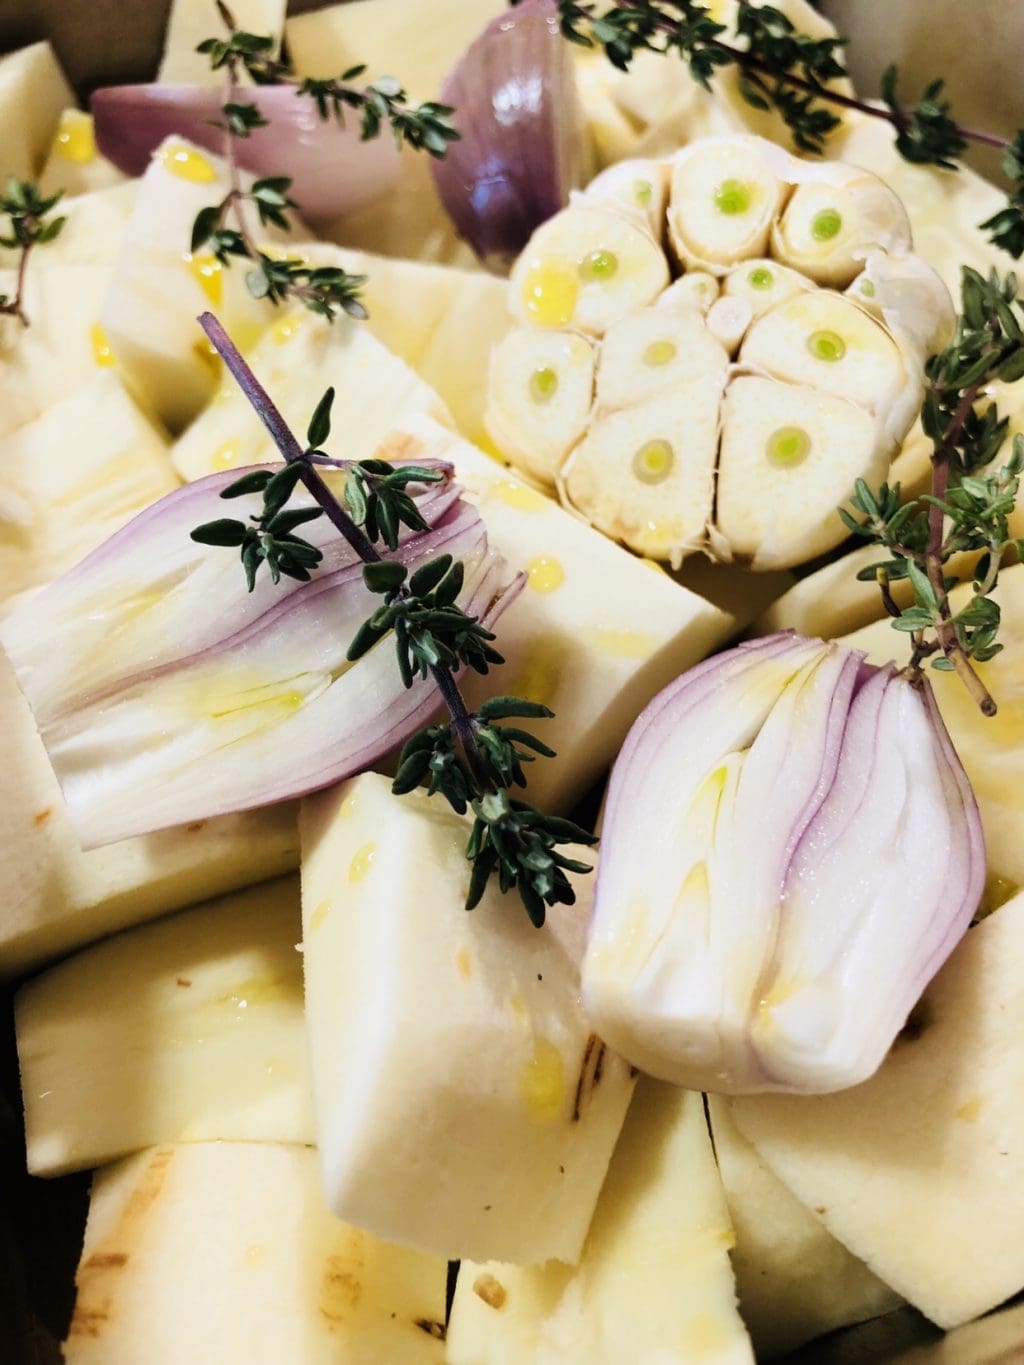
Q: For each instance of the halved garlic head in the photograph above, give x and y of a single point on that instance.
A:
(539, 397)
(725, 196)
(585, 268)
(830, 224)
(789, 458)
(759, 233)
(645, 474)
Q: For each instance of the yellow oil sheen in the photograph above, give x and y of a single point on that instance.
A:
(542, 1081)
(187, 164)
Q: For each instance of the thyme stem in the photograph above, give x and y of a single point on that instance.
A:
(283, 437)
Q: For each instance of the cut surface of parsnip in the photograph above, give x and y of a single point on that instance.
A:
(676, 421)
(653, 1284)
(463, 1103)
(224, 1252)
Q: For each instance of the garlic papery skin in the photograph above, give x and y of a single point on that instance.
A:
(791, 850)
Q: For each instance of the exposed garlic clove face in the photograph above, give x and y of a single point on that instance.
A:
(831, 224)
(645, 474)
(824, 341)
(539, 398)
(656, 351)
(586, 268)
(789, 457)
(696, 289)
(907, 296)
(638, 186)
(724, 196)
(761, 818)
(764, 284)
(728, 320)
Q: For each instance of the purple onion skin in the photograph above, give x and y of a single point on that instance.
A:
(333, 171)
(514, 101)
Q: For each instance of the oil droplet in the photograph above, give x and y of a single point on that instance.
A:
(541, 674)
(760, 278)
(285, 328)
(359, 867)
(660, 353)
(208, 273)
(226, 456)
(348, 806)
(517, 1005)
(788, 447)
(186, 163)
(464, 963)
(653, 564)
(258, 990)
(867, 288)
(545, 574)
(827, 346)
(543, 385)
(642, 192)
(101, 352)
(732, 197)
(520, 496)
(826, 225)
(206, 353)
(542, 1081)
(598, 266)
(75, 139)
(255, 1254)
(550, 294)
(969, 1112)
(319, 915)
(653, 462)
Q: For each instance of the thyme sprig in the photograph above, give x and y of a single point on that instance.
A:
(30, 224)
(474, 762)
(224, 229)
(968, 508)
(783, 69)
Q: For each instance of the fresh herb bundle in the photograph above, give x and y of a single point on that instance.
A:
(788, 71)
(30, 225)
(223, 228)
(472, 761)
(969, 505)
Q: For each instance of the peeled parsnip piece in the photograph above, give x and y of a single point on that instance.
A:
(725, 193)
(827, 343)
(655, 350)
(197, 1021)
(158, 287)
(920, 1170)
(96, 222)
(33, 91)
(224, 1253)
(585, 268)
(189, 24)
(795, 1281)
(653, 1284)
(594, 657)
(540, 395)
(790, 456)
(764, 284)
(296, 360)
(463, 1103)
(74, 476)
(639, 185)
(75, 164)
(834, 219)
(645, 475)
(57, 897)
